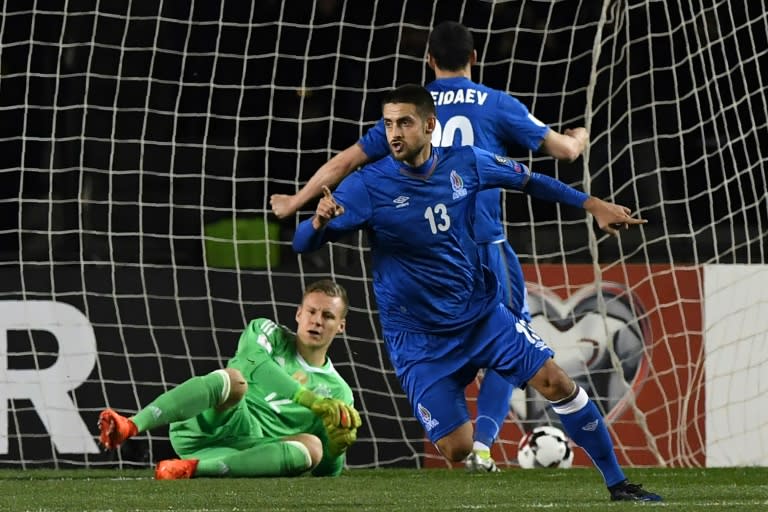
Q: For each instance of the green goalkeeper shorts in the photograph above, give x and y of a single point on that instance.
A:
(234, 428)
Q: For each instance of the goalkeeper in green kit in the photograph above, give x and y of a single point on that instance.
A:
(279, 408)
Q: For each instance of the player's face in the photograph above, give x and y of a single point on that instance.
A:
(319, 319)
(408, 134)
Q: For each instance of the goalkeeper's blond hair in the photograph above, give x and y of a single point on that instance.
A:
(331, 289)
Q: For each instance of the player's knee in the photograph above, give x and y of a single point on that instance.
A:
(457, 445)
(454, 452)
(313, 446)
(552, 382)
(237, 388)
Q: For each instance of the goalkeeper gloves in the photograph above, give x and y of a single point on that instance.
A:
(333, 412)
(339, 439)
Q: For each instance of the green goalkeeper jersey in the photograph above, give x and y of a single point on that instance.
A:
(276, 413)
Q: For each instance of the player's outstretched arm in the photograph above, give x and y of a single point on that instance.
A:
(311, 233)
(568, 145)
(329, 174)
(611, 217)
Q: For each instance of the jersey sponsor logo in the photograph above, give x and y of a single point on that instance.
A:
(426, 418)
(459, 96)
(401, 201)
(457, 184)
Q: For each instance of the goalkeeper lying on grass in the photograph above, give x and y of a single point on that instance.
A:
(278, 409)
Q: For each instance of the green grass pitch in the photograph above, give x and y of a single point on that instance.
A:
(386, 490)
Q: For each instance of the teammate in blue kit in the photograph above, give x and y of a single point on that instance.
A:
(468, 113)
(441, 310)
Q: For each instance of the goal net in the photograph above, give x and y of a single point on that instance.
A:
(141, 142)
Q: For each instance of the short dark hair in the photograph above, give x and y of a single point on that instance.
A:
(413, 94)
(451, 45)
(331, 289)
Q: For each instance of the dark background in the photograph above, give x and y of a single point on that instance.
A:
(124, 130)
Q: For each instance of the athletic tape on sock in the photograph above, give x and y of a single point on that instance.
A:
(576, 404)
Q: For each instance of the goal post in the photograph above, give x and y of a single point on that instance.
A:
(141, 142)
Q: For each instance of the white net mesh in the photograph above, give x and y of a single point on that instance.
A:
(141, 141)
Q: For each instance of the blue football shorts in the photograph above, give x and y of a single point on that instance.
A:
(435, 386)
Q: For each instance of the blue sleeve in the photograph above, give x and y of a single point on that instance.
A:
(544, 187)
(353, 196)
(307, 238)
(501, 171)
(517, 124)
(374, 142)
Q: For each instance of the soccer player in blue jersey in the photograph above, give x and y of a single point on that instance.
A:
(468, 113)
(441, 310)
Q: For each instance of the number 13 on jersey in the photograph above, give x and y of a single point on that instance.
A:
(438, 218)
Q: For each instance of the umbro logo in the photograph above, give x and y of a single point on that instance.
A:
(591, 426)
(401, 201)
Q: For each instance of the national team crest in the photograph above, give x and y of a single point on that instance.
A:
(457, 184)
(426, 418)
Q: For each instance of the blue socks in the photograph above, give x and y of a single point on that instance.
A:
(585, 426)
(492, 407)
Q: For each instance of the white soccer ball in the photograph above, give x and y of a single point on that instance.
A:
(544, 447)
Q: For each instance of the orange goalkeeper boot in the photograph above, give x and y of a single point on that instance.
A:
(114, 429)
(175, 469)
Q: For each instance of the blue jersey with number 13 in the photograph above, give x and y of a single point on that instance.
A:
(471, 114)
(427, 273)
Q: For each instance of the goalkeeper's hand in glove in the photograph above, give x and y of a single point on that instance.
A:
(333, 412)
(339, 439)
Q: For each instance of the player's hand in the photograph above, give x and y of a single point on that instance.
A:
(333, 412)
(580, 134)
(283, 205)
(336, 413)
(327, 209)
(611, 217)
(340, 439)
